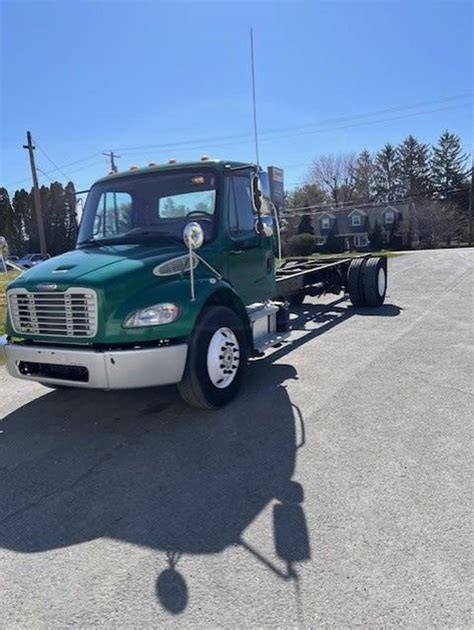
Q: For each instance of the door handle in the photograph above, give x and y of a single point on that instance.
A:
(236, 251)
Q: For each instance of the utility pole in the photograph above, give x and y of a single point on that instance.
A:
(36, 196)
(112, 155)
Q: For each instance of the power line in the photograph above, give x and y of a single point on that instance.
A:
(58, 168)
(330, 121)
(85, 159)
(347, 205)
(327, 129)
(45, 174)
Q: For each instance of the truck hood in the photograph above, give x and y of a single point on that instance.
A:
(97, 264)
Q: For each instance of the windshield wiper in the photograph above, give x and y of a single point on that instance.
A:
(132, 236)
(96, 241)
(145, 232)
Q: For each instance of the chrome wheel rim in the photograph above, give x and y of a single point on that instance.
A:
(381, 281)
(223, 358)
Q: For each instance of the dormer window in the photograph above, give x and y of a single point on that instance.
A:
(356, 220)
(389, 216)
(325, 223)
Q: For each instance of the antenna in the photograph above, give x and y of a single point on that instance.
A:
(252, 60)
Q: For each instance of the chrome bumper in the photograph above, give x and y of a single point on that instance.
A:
(121, 369)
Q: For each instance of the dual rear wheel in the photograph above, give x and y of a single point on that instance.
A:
(367, 281)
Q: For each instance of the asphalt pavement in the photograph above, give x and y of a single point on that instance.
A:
(335, 492)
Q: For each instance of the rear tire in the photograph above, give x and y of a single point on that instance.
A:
(375, 282)
(354, 281)
(217, 358)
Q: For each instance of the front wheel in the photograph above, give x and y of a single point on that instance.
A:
(217, 357)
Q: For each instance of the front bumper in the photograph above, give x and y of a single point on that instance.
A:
(87, 368)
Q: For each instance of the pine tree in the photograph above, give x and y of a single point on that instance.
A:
(23, 212)
(305, 226)
(364, 177)
(413, 163)
(70, 219)
(6, 213)
(448, 164)
(396, 233)
(376, 237)
(386, 174)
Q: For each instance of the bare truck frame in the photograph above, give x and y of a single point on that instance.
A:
(363, 278)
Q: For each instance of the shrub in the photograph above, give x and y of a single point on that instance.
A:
(334, 244)
(302, 244)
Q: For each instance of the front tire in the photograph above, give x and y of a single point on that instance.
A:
(217, 357)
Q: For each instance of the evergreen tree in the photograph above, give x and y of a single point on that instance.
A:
(334, 244)
(376, 237)
(305, 226)
(70, 219)
(386, 173)
(413, 162)
(23, 211)
(6, 214)
(364, 177)
(448, 164)
(396, 234)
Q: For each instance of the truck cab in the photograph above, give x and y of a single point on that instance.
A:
(137, 304)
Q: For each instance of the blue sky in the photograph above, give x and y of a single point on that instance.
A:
(175, 77)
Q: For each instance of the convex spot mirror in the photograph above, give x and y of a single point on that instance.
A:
(267, 226)
(193, 235)
(256, 193)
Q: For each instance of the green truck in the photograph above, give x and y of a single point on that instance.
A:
(175, 279)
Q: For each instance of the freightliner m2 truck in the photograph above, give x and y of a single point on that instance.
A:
(175, 278)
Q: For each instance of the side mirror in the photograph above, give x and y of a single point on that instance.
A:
(193, 235)
(267, 226)
(256, 193)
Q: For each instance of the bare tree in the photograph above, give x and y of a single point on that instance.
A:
(439, 223)
(334, 174)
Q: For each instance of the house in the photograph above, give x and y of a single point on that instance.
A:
(355, 224)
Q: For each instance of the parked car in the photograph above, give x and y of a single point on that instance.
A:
(13, 259)
(8, 265)
(31, 260)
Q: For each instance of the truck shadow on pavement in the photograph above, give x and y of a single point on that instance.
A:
(141, 467)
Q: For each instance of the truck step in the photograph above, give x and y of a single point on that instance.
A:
(271, 339)
(266, 328)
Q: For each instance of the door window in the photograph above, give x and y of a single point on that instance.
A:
(241, 214)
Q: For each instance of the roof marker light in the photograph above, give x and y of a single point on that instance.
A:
(172, 161)
(204, 158)
(152, 164)
(134, 167)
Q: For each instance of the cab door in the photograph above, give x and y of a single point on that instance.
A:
(250, 257)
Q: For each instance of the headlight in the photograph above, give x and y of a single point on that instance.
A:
(152, 315)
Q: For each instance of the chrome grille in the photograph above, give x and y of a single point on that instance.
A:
(72, 313)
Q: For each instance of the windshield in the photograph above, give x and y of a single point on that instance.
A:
(153, 205)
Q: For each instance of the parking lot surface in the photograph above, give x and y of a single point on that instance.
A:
(334, 492)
